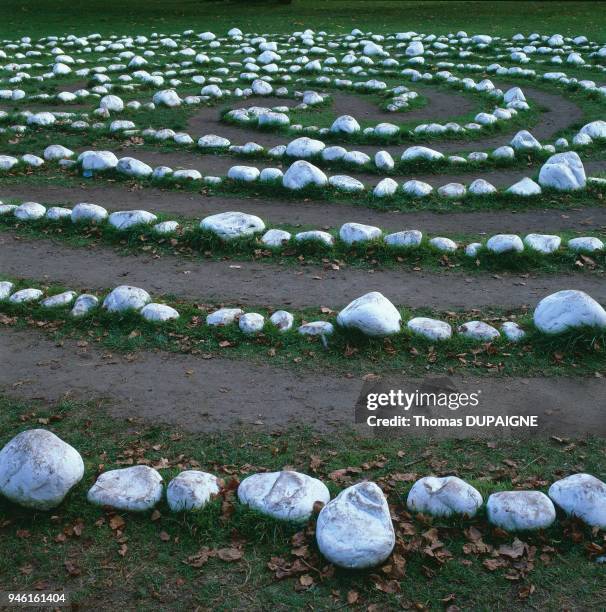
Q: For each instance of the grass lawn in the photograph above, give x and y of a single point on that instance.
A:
(169, 561)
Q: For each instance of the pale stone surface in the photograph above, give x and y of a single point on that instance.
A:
(452, 190)
(417, 189)
(478, 330)
(230, 225)
(56, 213)
(431, 329)
(355, 530)
(29, 211)
(563, 171)
(345, 183)
(251, 323)
(134, 489)
(568, 309)
(166, 227)
(98, 160)
(159, 312)
(385, 188)
(350, 233)
(505, 243)
(38, 469)
(61, 299)
(282, 319)
(134, 167)
(126, 297)
(405, 238)
(304, 147)
(543, 243)
(372, 314)
(444, 497)
(246, 174)
(84, 304)
(316, 328)
(302, 174)
(191, 490)
(25, 295)
(512, 331)
(520, 510)
(5, 289)
(223, 316)
(89, 213)
(583, 496)
(418, 152)
(315, 235)
(126, 219)
(586, 243)
(285, 495)
(443, 244)
(526, 187)
(276, 237)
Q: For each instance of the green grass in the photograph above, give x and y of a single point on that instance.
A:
(192, 242)
(573, 353)
(75, 548)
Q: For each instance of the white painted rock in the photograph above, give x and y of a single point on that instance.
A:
(288, 496)
(304, 147)
(595, 130)
(568, 309)
(452, 190)
(480, 187)
(282, 319)
(167, 97)
(384, 161)
(512, 331)
(315, 236)
(25, 295)
(443, 244)
(135, 489)
(84, 304)
(91, 213)
(29, 211)
(276, 237)
(350, 233)
(406, 238)
(166, 227)
(444, 497)
(98, 160)
(586, 244)
(223, 316)
(56, 152)
(5, 289)
(212, 141)
(302, 174)
(430, 328)
(520, 510)
(345, 183)
(525, 141)
(133, 167)
(7, 162)
(472, 249)
(56, 213)
(61, 299)
(230, 225)
(316, 328)
(191, 490)
(417, 189)
(251, 323)
(246, 174)
(158, 313)
(505, 243)
(543, 243)
(126, 219)
(478, 330)
(372, 314)
(38, 469)
(526, 187)
(563, 171)
(345, 124)
(385, 188)
(583, 496)
(354, 530)
(125, 297)
(417, 152)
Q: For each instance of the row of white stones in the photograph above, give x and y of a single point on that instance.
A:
(371, 314)
(354, 530)
(233, 225)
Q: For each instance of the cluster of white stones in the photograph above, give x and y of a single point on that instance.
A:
(354, 530)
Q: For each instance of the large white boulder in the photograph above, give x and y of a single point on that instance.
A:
(345, 124)
(285, 495)
(302, 174)
(91, 213)
(525, 141)
(372, 314)
(230, 225)
(191, 490)
(304, 147)
(135, 489)
(563, 171)
(167, 97)
(98, 160)
(126, 219)
(126, 297)
(568, 309)
(29, 211)
(355, 530)
(38, 469)
(443, 497)
(520, 510)
(595, 129)
(350, 233)
(432, 329)
(581, 495)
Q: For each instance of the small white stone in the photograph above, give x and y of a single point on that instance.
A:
(126, 219)
(158, 313)
(443, 244)
(56, 213)
(583, 496)
(315, 236)
(91, 213)
(5, 289)
(29, 211)
(316, 328)
(520, 510)
(346, 184)
(471, 250)
(84, 304)
(372, 314)
(166, 227)
(444, 497)
(587, 244)
(526, 187)
(126, 297)
(452, 190)
(302, 174)
(478, 330)
(345, 124)
(505, 243)
(406, 238)
(246, 174)
(351, 233)
(191, 490)
(480, 187)
(543, 243)
(568, 309)
(251, 323)
(282, 319)
(431, 329)
(512, 331)
(230, 225)
(61, 299)
(385, 188)
(223, 316)
(25, 295)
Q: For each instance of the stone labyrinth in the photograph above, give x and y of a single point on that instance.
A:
(351, 188)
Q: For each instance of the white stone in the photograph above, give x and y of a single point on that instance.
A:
(282, 319)
(385, 188)
(191, 490)
(595, 129)
(271, 174)
(302, 174)
(505, 243)
(304, 147)
(134, 489)
(333, 153)
(563, 171)
(166, 227)
(418, 152)
(286, 495)
(480, 187)
(29, 211)
(384, 161)
(350, 233)
(354, 530)
(316, 328)
(246, 174)
(315, 236)
(56, 152)
(431, 329)
(344, 183)
(276, 237)
(520, 510)
(526, 187)
(443, 244)
(61, 299)
(512, 331)
(98, 160)
(503, 152)
(38, 469)
(5, 289)
(452, 190)
(345, 124)
(112, 103)
(568, 309)
(167, 97)
(543, 243)
(25, 295)
(230, 225)
(525, 141)
(583, 496)
(88, 213)
(126, 219)
(211, 141)
(84, 304)
(478, 330)
(133, 167)
(56, 213)
(444, 497)
(406, 238)
(586, 244)
(126, 297)
(223, 316)
(251, 323)
(471, 250)
(158, 313)
(372, 314)
(417, 189)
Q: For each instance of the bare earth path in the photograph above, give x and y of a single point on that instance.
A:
(268, 284)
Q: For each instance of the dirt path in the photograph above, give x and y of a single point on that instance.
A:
(216, 394)
(269, 284)
(314, 213)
